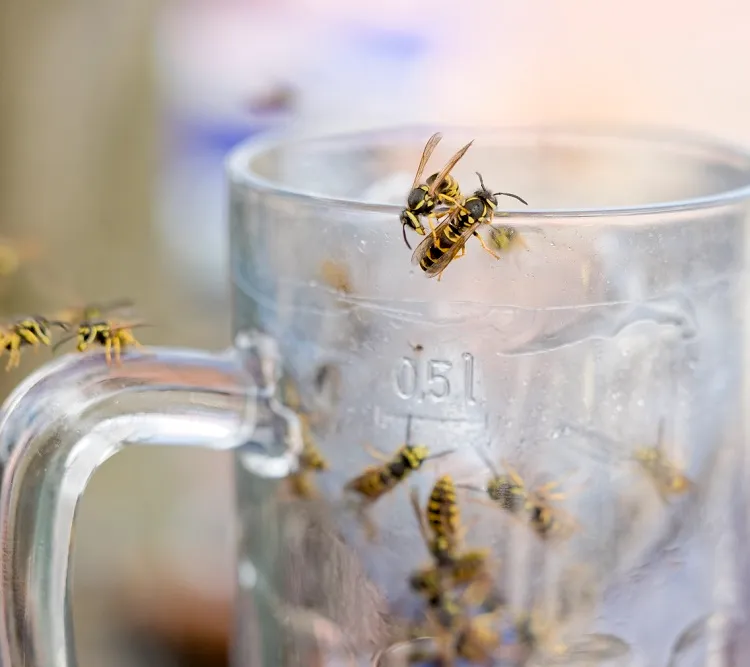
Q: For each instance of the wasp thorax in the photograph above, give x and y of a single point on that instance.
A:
(475, 206)
(419, 198)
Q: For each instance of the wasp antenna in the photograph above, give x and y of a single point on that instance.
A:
(440, 454)
(510, 194)
(62, 341)
(59, 323)
(481, 180)
(406, 240)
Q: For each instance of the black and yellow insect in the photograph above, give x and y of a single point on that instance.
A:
(443, 535)
(443, 515)
(311, 459)
(377, 480)
(31, 331)
(509, 492)
(439, 524)
(94, 327)
(458, 634)
(465, 569)
(439, 189)
(545, 518)
(449, 239)
(506, 490)
(668, 477)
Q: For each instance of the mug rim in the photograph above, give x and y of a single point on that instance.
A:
(239, 160)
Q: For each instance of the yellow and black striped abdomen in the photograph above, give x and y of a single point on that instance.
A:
(442, 508)
(448, 188)
(373, 482)
(446, 239)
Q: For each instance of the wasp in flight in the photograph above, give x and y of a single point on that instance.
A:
(439, 189)
(95, 328)
(377, 480)
(28, 331)
(448, 240)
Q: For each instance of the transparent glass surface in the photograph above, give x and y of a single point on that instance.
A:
(608, 357)
(71, 416)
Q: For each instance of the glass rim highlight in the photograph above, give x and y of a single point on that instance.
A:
(238, 164)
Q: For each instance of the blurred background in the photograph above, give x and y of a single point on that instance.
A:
(115, 118)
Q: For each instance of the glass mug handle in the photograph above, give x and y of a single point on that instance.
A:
(69, 417)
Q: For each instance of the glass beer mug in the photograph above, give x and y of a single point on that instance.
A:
(535, 460)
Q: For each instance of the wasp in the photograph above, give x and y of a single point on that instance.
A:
(440, 528)
(669, 478)
(95, 328)
(311, 458)
(377, 480)
(439, 189)
(545, 518)
(505, 490)
(28, 331)
(667, 475)
(460, 635)
(449, 239)
(439, 524)
(509, 492)
(93, 311)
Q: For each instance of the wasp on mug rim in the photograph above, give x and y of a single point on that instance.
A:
(436, 252)
(439, 189)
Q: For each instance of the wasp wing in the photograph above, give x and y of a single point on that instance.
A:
(451, 248)
(429, 148)
(435, 185)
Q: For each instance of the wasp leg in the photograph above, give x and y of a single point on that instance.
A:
(108, 351)
(14, 352)
(371, 530)
(453, 202)
(432, 227)
(117, 350)
(484, 245)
